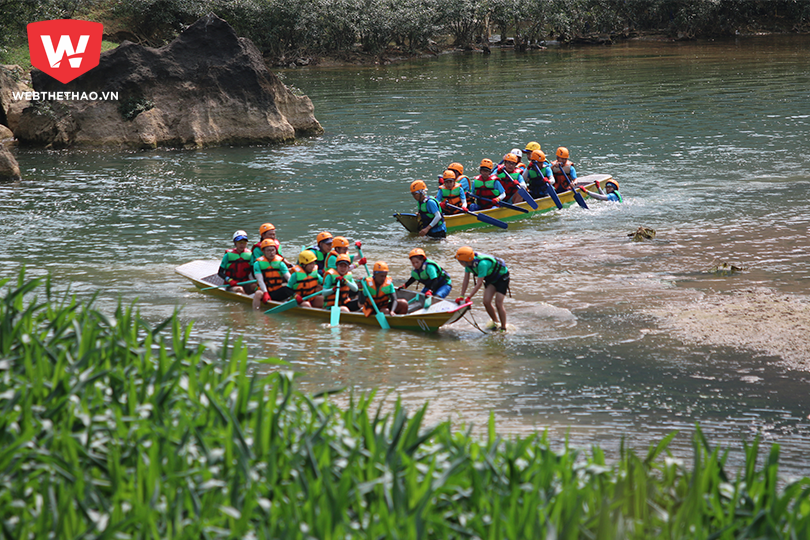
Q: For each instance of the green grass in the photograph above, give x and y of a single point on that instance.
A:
(113, 428)
(21, 56)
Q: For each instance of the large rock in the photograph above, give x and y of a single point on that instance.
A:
(9, 170)
(208, 87)
(12, 81)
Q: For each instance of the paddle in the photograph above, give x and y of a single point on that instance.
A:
(481, 217)
(226, 285)
(549, 188)
(500, 203)
(289, 304)
(334, 316)
(520, 189)
(577, 197)
(380, 317)
(360, 251)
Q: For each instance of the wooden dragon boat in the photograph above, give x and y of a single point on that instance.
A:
(204, 274)
(460, 222)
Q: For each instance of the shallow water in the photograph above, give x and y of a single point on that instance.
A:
(708, 140)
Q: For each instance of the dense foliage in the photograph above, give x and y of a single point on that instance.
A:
(110, 428)
(294, 27)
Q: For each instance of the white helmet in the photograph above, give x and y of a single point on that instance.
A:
(240, 235)
(517, 152)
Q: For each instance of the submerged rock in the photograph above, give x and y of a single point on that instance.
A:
(208, 87)
(9, 169)
(642, 233)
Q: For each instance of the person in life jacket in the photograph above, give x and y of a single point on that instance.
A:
(531, 147)
(510, 178)
(431, 218)
(305, 280)
(486, 185)
(538, 174)
(451, 193)
(342, 283)
(272, 275)
(519, 154)
(492, 273)
(267, 230)
(612, 188)
(435, 279)
(461, 180)
(561, 168)
(382, 293)
(321, 249)
(340, 246)
(235, 266)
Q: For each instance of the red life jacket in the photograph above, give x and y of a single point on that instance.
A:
(509, 184)
(238, 266)
(485, 188)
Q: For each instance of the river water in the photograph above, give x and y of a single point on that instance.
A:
(711, 145)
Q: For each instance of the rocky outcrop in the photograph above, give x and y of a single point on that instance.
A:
(12, 80)
(9, 170)
(208, 87)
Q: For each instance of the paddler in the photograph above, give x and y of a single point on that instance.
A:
(305, 280)
(430, 213)
(486, 185)
(531, 147)
(461, 180)
(382, 292)
(340, 246)
(563, 170)
(537, 181)
(267, 230)
(510, 178)
(492, 273)
(271, 275)
(435, 279)
(612, 189)
(451, 193)
(340, 277)
(235, 266)
(321, 249)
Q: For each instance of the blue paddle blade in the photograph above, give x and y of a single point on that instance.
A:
(428, 302)
(554, 197)
(527, 197)
(383, 322)
(334, 318)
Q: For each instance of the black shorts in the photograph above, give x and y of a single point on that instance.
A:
(501, 283)
(437, 234)
(281, 294)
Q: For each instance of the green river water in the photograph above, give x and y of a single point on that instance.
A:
(711, 144)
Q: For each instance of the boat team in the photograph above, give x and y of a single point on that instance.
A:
(323, 277)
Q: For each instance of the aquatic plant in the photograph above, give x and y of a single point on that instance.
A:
(111, 427)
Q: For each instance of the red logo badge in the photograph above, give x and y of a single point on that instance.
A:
(65, 48)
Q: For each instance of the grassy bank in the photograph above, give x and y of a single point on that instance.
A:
(113, 428)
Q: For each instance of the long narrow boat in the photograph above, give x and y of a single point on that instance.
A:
(459, 222)
(204, 274)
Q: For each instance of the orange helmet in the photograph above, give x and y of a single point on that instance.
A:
(323, 236)
(532, 146)
(418, 185)
(538, 155)
(343, 258)
(510, 157)
(340, 241)
(417, 252)
(266, 227)
(380, 266)
(562, 152)
(614, 182)
(269, 242)
(458, 167)
(465, 254)
(448, 174)
(486, 163)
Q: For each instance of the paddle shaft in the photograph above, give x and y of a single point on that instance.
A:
(577, 196)
(521, 190)
(481, 217)
(380, 316)
(549, 188)
(360, 251)
(226, 285)
(499, 203)
(292, 303)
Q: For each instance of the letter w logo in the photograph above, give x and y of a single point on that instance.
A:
(65, 32)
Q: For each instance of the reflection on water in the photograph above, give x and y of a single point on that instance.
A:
(708, 140)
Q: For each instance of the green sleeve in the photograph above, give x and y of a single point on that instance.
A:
(328, 281)
(293, 280)
(224, 263)
(484, 268)
(432, 272)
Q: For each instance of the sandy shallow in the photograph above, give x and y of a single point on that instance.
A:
(759, 320)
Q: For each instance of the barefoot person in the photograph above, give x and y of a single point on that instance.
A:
(492, 273)
(235, 266)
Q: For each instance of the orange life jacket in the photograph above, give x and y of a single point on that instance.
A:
(273, 278)
(305, 283)
(380, 297)
(344, 290)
